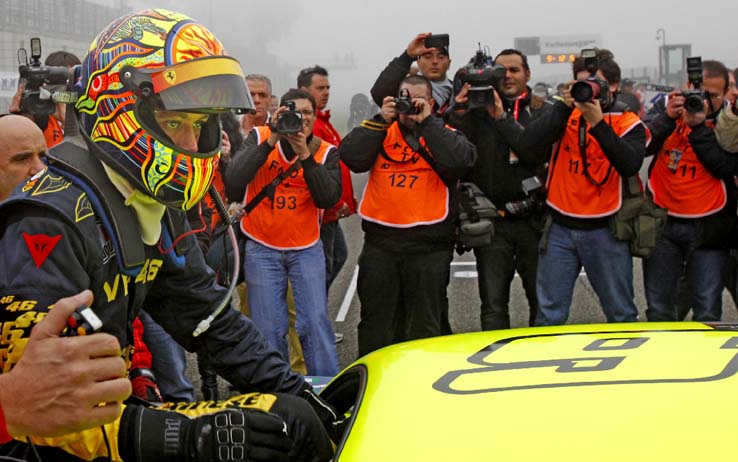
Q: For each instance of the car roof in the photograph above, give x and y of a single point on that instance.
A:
(644, 391)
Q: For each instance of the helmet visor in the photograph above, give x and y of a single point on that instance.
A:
(213, 84)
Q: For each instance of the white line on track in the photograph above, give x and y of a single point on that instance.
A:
(473, 274)
(465, 274)
(343, 311)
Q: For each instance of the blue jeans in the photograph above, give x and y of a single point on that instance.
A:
(168, 362)
(609, 268)
(335, 250)
(266, 271)
(675, 252)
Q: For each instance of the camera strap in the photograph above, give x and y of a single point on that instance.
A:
(66, 97)
(269, 189)
(418, 147)
(583, 152)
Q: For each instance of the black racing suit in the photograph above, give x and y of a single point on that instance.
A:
(58, 237)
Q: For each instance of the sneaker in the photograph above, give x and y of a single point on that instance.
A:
(339, 337)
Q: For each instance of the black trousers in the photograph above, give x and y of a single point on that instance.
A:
(402, 295)
(514, 248)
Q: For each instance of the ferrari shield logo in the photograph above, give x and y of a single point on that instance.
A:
(170, 76)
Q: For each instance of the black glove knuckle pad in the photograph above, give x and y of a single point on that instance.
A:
(229, 435)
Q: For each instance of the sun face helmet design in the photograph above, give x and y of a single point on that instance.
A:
(151, 61)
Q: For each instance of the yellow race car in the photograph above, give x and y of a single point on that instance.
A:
(611, 392)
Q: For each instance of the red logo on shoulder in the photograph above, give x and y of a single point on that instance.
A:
(40, 246)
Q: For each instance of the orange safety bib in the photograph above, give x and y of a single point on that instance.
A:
(680, 183)
(290, 221)
(570, 192)
(54, 132)
(403, 190)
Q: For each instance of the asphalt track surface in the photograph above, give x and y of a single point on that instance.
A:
(463, 295)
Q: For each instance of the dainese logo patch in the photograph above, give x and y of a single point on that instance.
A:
(40, 246)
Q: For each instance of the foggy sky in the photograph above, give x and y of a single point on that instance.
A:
(294, 34)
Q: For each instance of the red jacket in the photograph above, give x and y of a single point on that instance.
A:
(324, 130)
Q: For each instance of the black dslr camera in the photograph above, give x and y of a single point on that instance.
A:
(483, 76)
(694, 98)
(534, 189)
(37, 99)
(404, 103)
(289, 122)
(592, 87)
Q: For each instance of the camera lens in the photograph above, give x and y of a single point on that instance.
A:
(405, 105)
(584, 91)
(402, 106)
(479, 98)
(289, 122)
(693, 103)
(522, 207)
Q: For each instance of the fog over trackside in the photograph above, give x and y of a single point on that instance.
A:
(354, 39)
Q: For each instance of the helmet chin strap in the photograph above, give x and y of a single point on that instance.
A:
(148, 211)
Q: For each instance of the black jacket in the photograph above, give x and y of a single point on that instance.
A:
(388, 82)
(718, 230)
(494, 173)
(720, 163)
(453, 155)
(630, 100)
(661, 127)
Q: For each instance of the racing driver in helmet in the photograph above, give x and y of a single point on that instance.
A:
(108, 215)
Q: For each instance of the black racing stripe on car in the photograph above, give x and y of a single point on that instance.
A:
(445, 383)
(478, 357)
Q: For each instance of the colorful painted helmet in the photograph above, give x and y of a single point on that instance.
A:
(150, 61)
